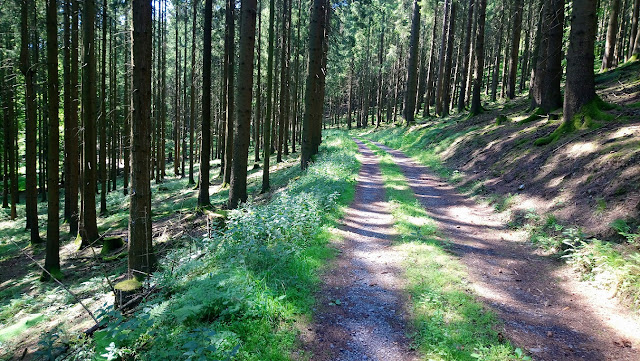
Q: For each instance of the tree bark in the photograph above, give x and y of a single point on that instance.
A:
(314, 94)
(28, 71)
(476, 105)
(634, 27)
(88, 227)
(9, 142)
(551, 95)
(515, 49)
(238, 191)
(52, 259)
(192, 94)
(412, 76)
(266, 137)
(128, 101)
(443, 56)
(466, 59)
(102, 119)
(141, 257)
(72, 177)
(446, 88)
(580, 84)
(612, 32)
(228, 152)
(205, 148)
(284, 82)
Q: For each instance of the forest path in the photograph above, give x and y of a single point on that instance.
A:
(360, 313)
(542, 305)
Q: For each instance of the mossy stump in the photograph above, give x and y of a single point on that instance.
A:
(110, 244)
(126, 294)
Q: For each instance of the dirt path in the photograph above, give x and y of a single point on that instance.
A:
(543, 307)
(360, 315)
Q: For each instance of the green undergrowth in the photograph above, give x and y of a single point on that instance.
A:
(612, 264)
(590, 116)
(236, 294)
(448, 323)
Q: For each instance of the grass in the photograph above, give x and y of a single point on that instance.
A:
(85, 276)
(240, 292)
(449, 323)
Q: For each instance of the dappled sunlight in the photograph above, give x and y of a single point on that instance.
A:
(581, 149)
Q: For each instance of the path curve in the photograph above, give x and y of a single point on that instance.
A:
(543, 307)
(360, 313)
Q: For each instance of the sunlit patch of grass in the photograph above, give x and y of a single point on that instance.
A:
(448, 323)
(22, 325)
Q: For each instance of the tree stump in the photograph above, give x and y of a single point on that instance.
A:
(127, 294)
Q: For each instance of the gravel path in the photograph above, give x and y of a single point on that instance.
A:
(543, 307)
(360, 315)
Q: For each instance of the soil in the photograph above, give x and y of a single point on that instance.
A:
(542, 306)
(586, 179)
(360, 313)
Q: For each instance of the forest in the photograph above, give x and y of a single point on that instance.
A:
(320, 180)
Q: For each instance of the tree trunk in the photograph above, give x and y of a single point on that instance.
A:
(30, 126)
(141, 257)
(551, 95)
(205, 148)
(72, 156)
(52, 259)
(102, 119)
(228, 151)
(498, 50)
(192, 95)
(443, 55)
(412, 76)
(466, 59)
(314, 94)
(446, 88)
(284, 82)
(9, 142)
(539, 58)
(258, 116)
(634, 27)
(89, 228)
(580, 84)
(612, 32)
(430, 73)
(238, 190)
(128, 101)
(515, 49)
(266, 137)
(524, 68)
(476, 105)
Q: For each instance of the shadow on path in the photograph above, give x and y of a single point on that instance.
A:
(543, 307)
(360, 315)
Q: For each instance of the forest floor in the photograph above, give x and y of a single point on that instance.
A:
(32, 311)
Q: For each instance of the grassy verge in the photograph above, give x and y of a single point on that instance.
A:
(449, 323)
(238, 292)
